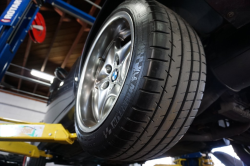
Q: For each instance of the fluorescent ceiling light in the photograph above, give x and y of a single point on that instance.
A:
(42, 75)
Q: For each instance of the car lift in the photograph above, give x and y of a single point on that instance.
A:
(15, 22)
(193, 159)
(15, 134)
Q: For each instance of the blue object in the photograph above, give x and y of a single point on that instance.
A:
(191, 155)
(67, 8)
(192, 159)
(14, 10)
(114, 75)
(15, 23)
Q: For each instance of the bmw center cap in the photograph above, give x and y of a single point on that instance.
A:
(114, 75)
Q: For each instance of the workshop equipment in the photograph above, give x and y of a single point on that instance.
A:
(193, 159)
(13, 136)
(17, 20)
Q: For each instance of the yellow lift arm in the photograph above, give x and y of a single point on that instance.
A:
(23, 148)
(15, 131)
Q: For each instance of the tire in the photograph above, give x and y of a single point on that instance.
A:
(162, 91)
(36, 161)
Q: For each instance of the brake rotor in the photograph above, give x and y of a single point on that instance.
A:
(38, 29)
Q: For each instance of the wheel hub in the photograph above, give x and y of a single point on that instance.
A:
(104, 72)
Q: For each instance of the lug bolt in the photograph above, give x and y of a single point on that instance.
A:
(105, 85)
(230, 14)
(108, 68)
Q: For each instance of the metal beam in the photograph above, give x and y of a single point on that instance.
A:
(23, 148)
(81, 22)
(35, 132)
(25, 96)
(93, 8)
(27, 78)
(47, 9)
(71, 10)
(79, 35)
(26, 56)
(31, 132)
(44, 8)
(21, 67)
(61, 13)
(50, 47)
(11, 38)
(94, 4)
(52, 42)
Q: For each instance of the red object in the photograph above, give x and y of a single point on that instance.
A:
(38, 29)
(24, 160)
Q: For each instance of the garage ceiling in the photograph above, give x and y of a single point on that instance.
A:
(63, 45)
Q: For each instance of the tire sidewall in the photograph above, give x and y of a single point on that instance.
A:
(101, 137)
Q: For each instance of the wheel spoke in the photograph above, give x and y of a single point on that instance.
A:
(110, 56)
(106, 66)
(101, 72)
(124, 65)
(114, 91)
(86, 109)
(123, 52)
(112, 94)
(99, 94)
(124, 34)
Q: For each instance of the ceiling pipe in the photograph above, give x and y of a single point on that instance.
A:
(92, 3)
(27, 79)
(73, 11)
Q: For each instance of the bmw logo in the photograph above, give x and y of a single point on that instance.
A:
(114, 75)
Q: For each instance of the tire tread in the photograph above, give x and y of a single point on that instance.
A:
(154, 146)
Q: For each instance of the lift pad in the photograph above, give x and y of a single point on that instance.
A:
(14, 134)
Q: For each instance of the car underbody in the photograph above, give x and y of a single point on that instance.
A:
(223, 116)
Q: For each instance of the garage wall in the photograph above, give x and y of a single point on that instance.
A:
(16, 107)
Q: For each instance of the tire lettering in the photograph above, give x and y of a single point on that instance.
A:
(107, 132)
(136, 71)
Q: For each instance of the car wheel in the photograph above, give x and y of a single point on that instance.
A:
(35, 161)
(141, 84)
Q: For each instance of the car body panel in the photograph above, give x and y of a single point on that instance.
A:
(62, 98)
